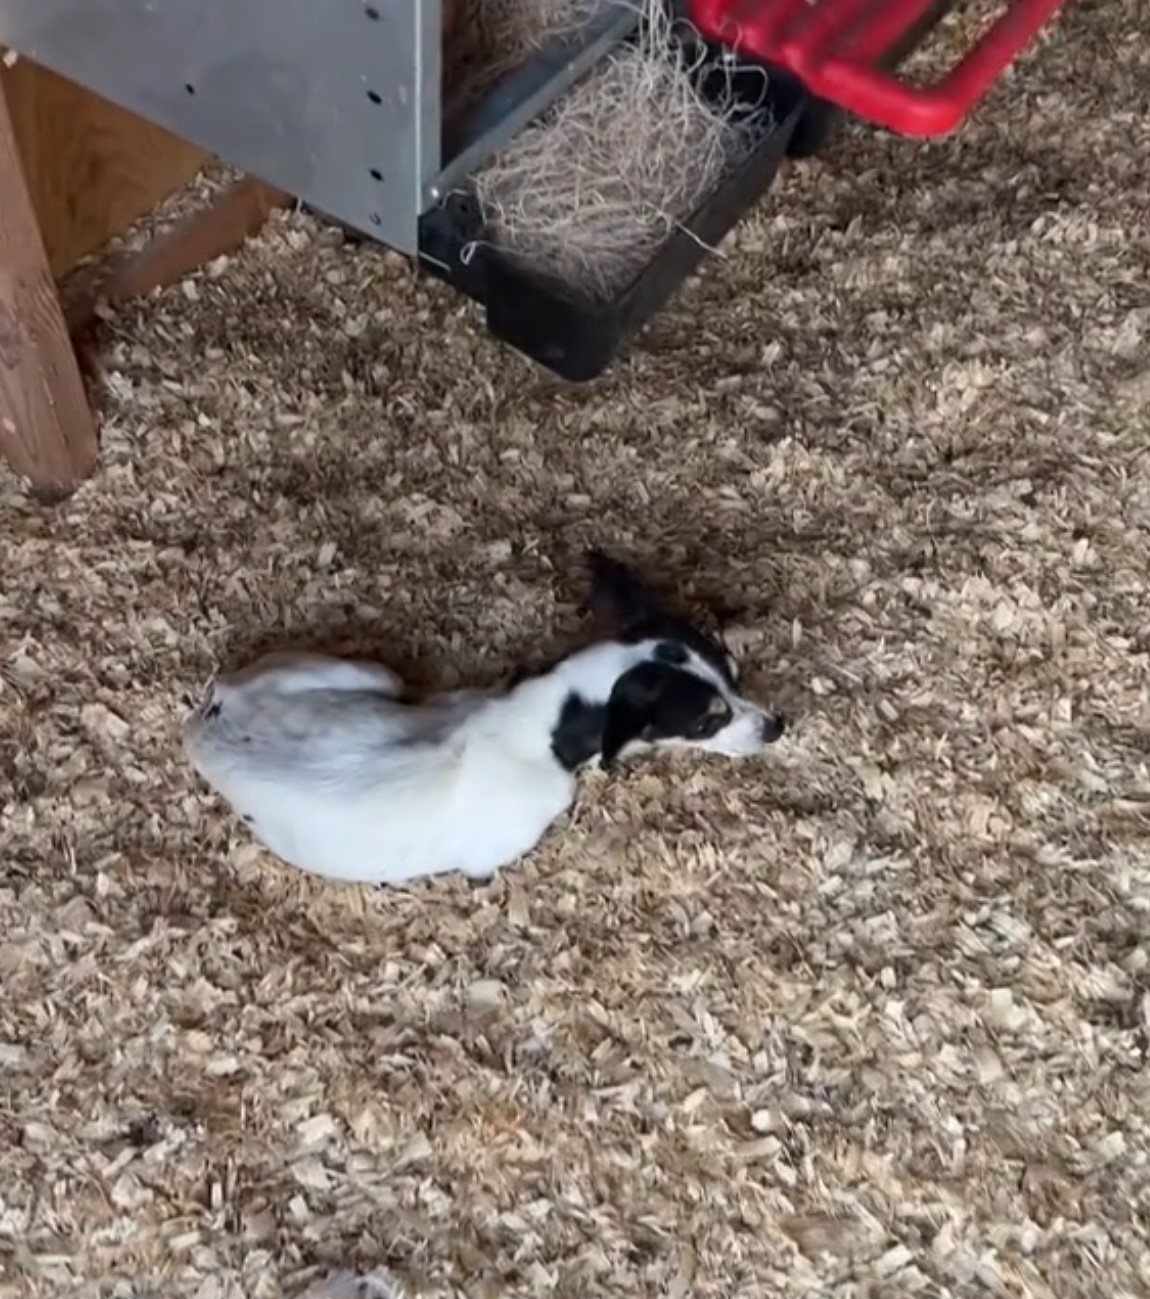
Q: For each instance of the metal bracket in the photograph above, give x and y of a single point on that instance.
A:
(334, 101)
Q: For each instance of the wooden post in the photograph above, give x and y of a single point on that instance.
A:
(47, 429)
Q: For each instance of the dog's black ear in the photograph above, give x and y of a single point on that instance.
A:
(632, 708)
(618, 596)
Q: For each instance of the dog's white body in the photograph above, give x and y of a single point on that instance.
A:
(338, 776)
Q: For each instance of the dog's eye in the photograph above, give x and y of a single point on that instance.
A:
(711, 722)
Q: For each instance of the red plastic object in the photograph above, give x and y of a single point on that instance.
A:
(837, 48)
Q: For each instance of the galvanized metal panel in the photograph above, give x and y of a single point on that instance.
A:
(335, 101)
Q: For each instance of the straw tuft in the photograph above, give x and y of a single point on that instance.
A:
(590, 192)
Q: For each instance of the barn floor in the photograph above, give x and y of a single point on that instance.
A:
(868, 1018)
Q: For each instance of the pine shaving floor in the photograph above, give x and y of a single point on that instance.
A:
(869, 1018)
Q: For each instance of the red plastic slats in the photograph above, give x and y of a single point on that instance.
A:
(836, 48)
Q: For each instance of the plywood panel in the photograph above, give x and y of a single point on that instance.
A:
(92, 167)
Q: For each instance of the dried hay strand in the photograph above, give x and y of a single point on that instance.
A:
(590, 192)
(492, 37)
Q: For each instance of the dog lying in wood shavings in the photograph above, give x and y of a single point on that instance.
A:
(340, 773)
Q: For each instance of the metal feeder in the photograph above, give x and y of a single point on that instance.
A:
(341, 105)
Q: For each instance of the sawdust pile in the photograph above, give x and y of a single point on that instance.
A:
(588, 193)
(870, 1018)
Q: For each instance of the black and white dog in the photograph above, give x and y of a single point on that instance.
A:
(339, 773)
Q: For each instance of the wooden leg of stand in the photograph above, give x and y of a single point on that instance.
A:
(47, 429)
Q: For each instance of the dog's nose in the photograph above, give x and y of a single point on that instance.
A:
(773, 727)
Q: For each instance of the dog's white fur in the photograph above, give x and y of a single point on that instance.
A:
(340, 777)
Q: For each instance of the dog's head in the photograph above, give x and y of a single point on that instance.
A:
(683, 692)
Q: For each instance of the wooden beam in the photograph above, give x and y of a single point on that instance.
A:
(236, 213)
(92, 167)
(47, 429)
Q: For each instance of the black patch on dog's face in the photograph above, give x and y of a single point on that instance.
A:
(656, 701)
(676, 638)
(671, 651)
(639, 613)
(578, 734)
